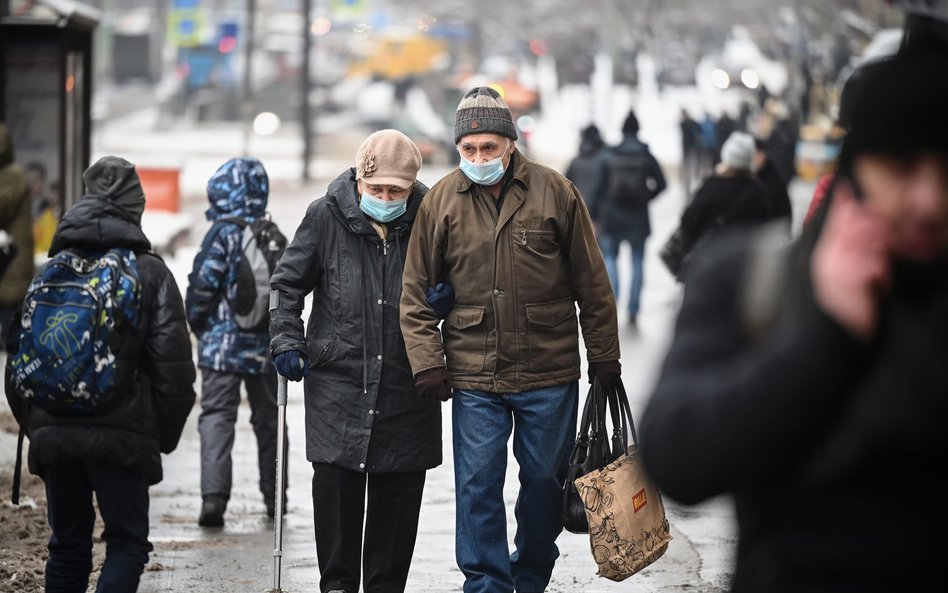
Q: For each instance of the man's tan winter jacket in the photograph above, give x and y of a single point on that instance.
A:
(518, 276)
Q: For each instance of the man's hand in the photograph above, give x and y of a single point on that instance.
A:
(434, 384)
(608, 371)
(291, 364)
(851, 265)
(441, 299)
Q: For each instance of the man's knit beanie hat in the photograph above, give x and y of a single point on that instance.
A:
(388, 157)
(483, 111)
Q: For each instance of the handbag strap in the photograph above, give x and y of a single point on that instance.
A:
(624, 400)
(598, 419)
(622, 423)
(584, 423)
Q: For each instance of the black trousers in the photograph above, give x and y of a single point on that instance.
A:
(122, 496)
(391, 524)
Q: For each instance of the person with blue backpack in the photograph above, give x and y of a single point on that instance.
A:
(100, 378)
(227, 304)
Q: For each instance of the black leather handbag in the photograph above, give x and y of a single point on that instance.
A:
(591, 451)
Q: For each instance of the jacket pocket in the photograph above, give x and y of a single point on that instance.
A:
(552, 336)
(465, 338)
(321, 350)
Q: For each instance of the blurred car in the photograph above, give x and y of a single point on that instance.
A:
(740, 64)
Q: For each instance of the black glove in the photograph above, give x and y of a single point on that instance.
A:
(434, 384)
(441, 299)
(608, 371)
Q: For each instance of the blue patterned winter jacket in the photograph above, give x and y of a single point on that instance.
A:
(239, 189)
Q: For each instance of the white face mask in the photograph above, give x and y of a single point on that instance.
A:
(382, 210)
(487, 173)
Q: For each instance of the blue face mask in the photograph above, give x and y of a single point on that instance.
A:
(380, 210)
(487, 173)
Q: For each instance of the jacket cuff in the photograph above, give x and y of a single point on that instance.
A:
(602, 349)
(426, 356)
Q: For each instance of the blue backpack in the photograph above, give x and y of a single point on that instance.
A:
(74, 322)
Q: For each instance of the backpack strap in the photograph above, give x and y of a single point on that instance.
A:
(235, 220)
(15, 495)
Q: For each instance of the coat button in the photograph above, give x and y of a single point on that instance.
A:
(380, 357)
(497, 376)
(361, 466)
(380, 301)
(498, 292)
(371, 412)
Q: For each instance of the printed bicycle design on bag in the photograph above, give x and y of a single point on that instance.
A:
(615, 554)
(608, 545)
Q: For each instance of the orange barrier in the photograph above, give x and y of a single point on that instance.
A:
(162, 188)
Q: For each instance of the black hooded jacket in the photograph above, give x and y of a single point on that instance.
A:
(362, 410)
(150, 420)
(829, 447)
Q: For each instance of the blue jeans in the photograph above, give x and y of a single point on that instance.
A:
(609, 245)
(543, 422)
(122, 495)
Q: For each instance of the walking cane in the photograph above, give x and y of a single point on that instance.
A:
(278, 497)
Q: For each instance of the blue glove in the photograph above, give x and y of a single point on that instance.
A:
(291, 364)
(441, 299)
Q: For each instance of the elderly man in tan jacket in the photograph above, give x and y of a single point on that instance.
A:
(515, 241)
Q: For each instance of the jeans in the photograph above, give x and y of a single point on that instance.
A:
(391, 526)
(220, 398)
(543, 422)
(122, 496)
(609, 245)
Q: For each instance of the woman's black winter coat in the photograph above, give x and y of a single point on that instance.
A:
(362, 410)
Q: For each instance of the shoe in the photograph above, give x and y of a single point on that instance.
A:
(212, 511)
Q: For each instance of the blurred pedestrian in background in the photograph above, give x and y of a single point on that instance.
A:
(690, 171)
(230, 351)
(516, 242)
(16, 220)
(723, 128)
(731, 197)
(775, 188)
(587, 169)
(633, 178)
(709, 145)
(811, 384)
(366, 426)
(113, 452)
(44, 207)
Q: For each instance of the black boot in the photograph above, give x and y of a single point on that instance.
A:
(212, 511)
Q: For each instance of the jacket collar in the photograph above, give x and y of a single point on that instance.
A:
(521, 173)
(343, 197)
(95, 222)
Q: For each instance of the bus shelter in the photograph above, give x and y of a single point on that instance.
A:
(46, 82)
